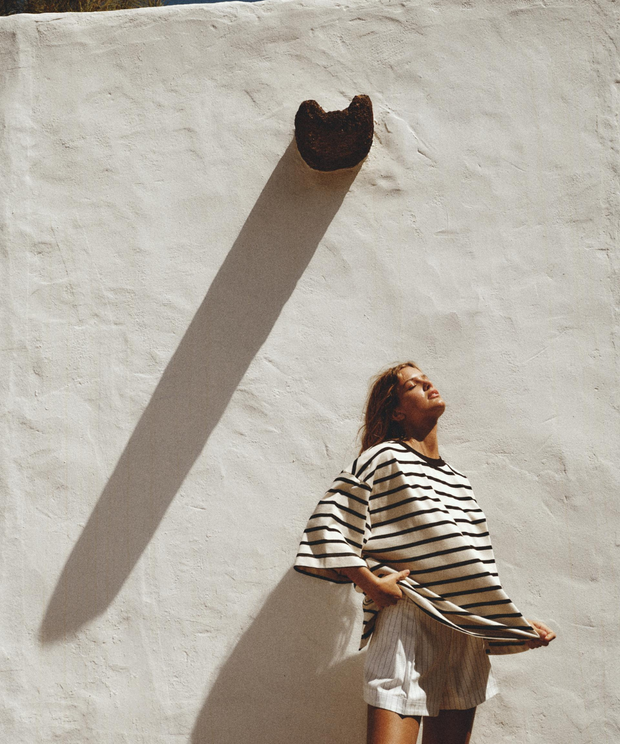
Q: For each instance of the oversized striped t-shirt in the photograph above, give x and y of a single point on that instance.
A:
(397, 509)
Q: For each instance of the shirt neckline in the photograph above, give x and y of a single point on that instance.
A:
(434, 461)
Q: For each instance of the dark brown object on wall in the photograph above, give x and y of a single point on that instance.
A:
(331, 140)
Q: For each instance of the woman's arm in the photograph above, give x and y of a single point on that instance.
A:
(384, 590)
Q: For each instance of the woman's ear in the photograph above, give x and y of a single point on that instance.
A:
(397, 415)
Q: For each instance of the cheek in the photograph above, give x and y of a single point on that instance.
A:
(410, 405)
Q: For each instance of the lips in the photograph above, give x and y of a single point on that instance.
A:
(433, 394)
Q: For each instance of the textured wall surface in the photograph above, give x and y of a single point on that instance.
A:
(190, 319)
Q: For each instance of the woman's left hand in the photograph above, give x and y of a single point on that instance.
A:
(545, 633)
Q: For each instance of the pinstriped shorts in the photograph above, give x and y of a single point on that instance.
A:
(416, 666)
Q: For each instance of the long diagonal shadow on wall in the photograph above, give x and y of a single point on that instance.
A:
(244, 301)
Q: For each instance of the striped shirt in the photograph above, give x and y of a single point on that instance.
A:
(397, 509)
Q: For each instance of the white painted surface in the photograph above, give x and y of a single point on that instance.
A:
(190, 320)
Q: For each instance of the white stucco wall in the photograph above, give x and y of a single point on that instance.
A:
(190, 319)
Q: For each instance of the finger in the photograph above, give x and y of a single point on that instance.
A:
(543, 630)
(541, 642)
(403, 574)
(536, 644)
(545, 635)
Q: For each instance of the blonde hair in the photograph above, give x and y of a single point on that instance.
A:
(379, 425)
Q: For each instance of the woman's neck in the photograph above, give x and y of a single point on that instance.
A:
(428, 446)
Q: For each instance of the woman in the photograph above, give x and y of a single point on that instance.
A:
(404, 526)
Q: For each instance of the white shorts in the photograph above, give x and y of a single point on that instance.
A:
(416, 666)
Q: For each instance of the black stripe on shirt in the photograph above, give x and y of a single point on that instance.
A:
(412, 559)
(381, 494)
(317, 556)
(482, 590)
(348, 495)
(407, 516)
(331, 542)
(412, 529)
(409, 500)
(355, 483)
(327, 502)
(486, 604)
(337, 519)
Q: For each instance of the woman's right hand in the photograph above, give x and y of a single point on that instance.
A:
(385, 591)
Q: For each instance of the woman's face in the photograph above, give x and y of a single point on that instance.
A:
(419, 400)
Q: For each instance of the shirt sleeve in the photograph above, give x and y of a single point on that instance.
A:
(337, 531)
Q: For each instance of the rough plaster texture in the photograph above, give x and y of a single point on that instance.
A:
(190, 319)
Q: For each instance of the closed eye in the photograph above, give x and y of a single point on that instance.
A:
(413, 382)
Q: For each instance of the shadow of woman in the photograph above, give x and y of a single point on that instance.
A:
(280, 684)
(244, 301)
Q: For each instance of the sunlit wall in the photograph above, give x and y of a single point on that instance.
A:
(190, 318)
